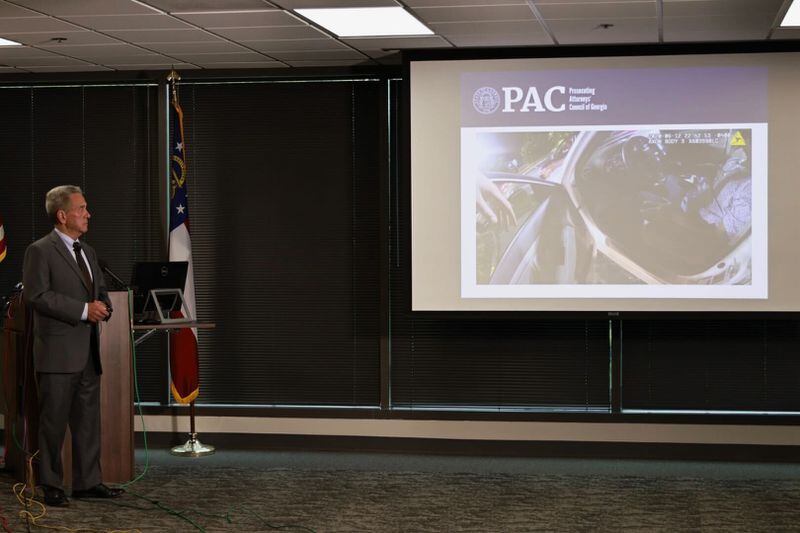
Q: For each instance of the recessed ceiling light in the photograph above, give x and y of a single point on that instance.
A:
(792, 17)
(366, 21)
(6, 42)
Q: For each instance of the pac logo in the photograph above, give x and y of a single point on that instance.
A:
(532, 100)
(486, 100)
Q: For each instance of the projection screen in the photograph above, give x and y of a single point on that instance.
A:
(659, 183)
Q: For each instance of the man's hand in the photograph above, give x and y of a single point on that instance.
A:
(97, 311)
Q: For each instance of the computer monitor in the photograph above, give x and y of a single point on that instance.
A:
(150, 275)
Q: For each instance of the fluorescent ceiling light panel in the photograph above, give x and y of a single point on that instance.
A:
(366, 21)
(792, 17)
(6, 42)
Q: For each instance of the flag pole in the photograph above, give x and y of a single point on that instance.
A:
(193, 447)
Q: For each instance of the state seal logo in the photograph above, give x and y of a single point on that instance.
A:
(486, 100)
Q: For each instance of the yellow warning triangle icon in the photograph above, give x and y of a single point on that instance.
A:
(738, 140)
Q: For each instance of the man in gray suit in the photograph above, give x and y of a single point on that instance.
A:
(65, 289)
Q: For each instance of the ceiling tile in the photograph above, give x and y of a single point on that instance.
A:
(585, 31)
(154, 66)
(300, 4)
(320, 55)
(208, 5)
(248, 19)
(481, 28)
(744, 27)
(786, 33)
(128, 22)
(22, 51)
(245, 64)
(34, 25)
(132, 60)
(461, 3)
(210, 47)
(376, 54)
(336, 63)
(539, 38)
(52, 60)
(616, 10)
(712, 35)
(590, 2)
(221, 58)
(163, 36)
(474, 13)
(270, 33)
(72, 37)
(10, 10)
(98, 50)
(61, 8)
(325, 43)
(84, 68)
(702, 8)
(759, 21)
(397, 43)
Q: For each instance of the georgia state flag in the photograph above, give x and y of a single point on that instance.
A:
(184, 363)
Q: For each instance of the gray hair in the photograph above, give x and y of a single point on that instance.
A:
(57, 199)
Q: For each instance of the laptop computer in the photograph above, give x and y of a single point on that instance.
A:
(150, 275)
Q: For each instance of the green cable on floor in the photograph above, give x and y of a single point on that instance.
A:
(158, 504)
(144, 434)
(183, 515)
(138, 400)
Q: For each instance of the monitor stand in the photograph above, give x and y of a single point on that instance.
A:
(156, 299)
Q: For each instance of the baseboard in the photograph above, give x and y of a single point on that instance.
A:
(487, 448)
(551, 449)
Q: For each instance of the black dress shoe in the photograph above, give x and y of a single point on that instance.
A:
(54, 497)
(98, 491)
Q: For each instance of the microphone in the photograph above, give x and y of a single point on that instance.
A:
(105, 268)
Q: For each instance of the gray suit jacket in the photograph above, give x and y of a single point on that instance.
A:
(54, 288)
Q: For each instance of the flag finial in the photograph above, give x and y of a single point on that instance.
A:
(173, 78)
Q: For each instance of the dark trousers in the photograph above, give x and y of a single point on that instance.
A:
(70, 399)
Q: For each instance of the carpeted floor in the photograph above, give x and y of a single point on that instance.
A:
(336, 492)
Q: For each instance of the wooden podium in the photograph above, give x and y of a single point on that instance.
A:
(116, 395)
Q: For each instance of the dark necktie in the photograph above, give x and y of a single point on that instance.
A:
(82, 265)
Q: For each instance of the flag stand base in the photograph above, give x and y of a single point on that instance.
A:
(193, 448)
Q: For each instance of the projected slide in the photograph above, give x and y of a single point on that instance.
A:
(614, 184)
